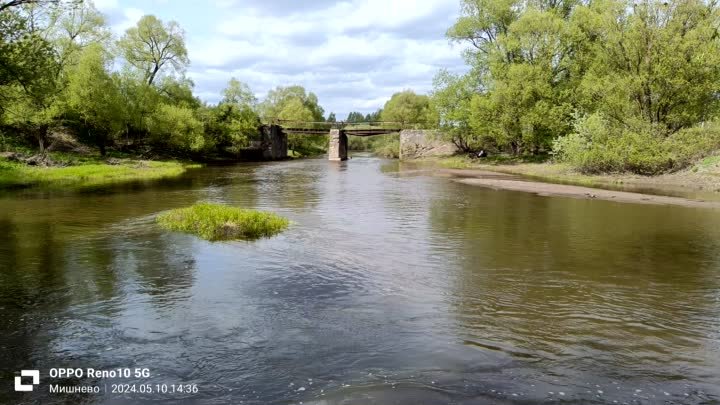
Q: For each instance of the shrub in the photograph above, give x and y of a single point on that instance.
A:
(598, 146)
(217, 222)
(386, 145)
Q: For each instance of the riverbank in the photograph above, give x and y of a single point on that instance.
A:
(703, 177)
(698, 186)
(83, 171)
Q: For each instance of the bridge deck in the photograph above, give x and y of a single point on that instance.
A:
(350, 132)
(350, 128)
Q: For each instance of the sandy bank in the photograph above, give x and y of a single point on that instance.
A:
(503, 181)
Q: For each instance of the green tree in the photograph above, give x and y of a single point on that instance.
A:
(409, 108)
(374, 116)
(152, 46)
(93, 96)
(29, 77)
(452, 100)
(654, 62)
(239, 93)
(355, 116)
(177, 127)
(331, 117)
(286, 102)
(234, 121)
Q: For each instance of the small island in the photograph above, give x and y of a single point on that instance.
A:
(215, 222)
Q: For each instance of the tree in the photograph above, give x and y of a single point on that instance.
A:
(239, 93)
(522, 60)
(28, 77)
(234, 121)
(177, 127)
(277, 101)
(93, 96)
(374, 116)
(25, 56)
(452, 100)
(74, 28)
(355, 116)
(408, 108)
(331, 117)
(7, 4)
(152, 46)
(659, 63)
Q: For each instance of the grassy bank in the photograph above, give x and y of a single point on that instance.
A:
(703, 176)
(215, 222)
(87, 172)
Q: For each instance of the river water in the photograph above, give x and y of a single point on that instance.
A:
(390, 287)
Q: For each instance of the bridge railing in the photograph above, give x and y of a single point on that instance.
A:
(313, 126)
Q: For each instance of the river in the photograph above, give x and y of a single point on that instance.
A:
(390, 287)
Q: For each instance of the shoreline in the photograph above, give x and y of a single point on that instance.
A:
(698, 186)
(93, 172)
(503, 181)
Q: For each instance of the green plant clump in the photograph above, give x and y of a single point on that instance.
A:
(216, 222)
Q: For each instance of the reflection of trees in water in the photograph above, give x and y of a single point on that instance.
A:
(583, 282)
(294, 185)
(31, 282)
(163, 264)
(51, 279)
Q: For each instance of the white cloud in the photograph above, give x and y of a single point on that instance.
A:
(130, 18)
(353, 54)
(105, 5)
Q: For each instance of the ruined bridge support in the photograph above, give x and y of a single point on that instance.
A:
(274, 142)
(338, 145)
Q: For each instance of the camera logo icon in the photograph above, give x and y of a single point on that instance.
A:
(20, 387)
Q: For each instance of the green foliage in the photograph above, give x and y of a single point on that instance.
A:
(152, 46)
(234, 122)
(239, 93)
(355, 116)
(382, 145)
(452, 101)
(93, 96)
(598, 145)
(291, 103)
(14, 175)
(386, 146)
(216, 222)
(639, 72)
(374, 116)
(408, 108)
(177, 126)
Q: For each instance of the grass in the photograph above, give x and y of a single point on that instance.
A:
(87, 173)
(216, 222)
(465, 162)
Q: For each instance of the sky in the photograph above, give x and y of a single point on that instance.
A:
(354, 54)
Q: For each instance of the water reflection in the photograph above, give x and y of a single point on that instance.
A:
(593, 292)
(390, 287)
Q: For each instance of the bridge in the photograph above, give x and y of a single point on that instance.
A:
(275, 134)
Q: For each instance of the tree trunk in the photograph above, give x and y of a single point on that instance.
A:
(42, 136)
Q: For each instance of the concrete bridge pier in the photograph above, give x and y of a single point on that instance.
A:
(274, 142)
(338, 145)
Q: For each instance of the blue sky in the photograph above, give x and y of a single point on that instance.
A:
(353, 54)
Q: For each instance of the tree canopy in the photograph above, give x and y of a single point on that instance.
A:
(152, 46)
(408, 108)
(537, 69)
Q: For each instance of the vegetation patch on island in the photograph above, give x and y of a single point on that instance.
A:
(215, 222)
